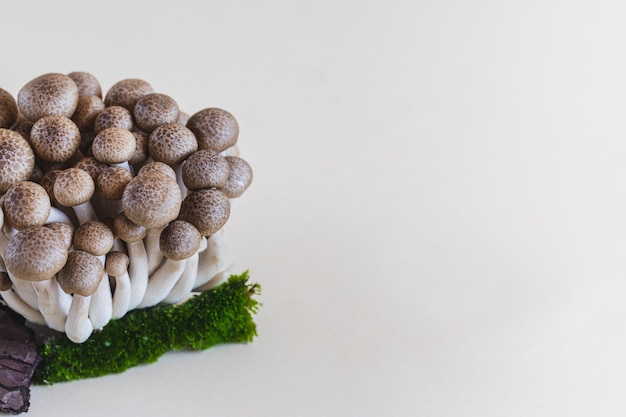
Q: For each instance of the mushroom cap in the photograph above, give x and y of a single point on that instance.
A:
(47, 182)
(127, 230)
(66, 231)
(116, 263)
(87, 84)
(155, 109)
(112, 181)
(113, 145)
(179, 240)
(205, 169)
(26, 204)
(35, 254)
(73, 187)
(114, 116)
(239, 179)
(92, 166)
(207, 209)
(55, 138)
(141, 148)
(125, 93)
(8, 110)
(81, 274)
(171, 143)
(94, 237)
(152, 200)
(48, 95)
(215, 129)
(17, 159)
(87, 110)
(158, 168)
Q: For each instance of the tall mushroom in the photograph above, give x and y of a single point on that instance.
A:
(116, 265)
(36, 254)
(80, 277)
(179, 241)
(133, 235)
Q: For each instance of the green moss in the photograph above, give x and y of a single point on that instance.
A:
(221, 315)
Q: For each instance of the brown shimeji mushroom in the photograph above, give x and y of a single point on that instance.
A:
(125, 93)
(48, 95)
(179, 241)
(207, 209)
(114, 116)
(88, 108)
(114, 146)
(36, 254)
(215, 129)
(133, 235)
(87, 84)
(73, 188)
(153, 110)
(116, 265)
(80, 277)
(55, 138)
(96, 238)
(17, 159)
(27, 204)
(185, 285)
(205, 169)
(239, 178)
(8, 110)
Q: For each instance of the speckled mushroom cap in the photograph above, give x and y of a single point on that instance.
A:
(171, 143)
(8, 109)
(205, 169)
(157, 167)
(215, 129)
(112, 181)
(155, 109)
(26, 204)
(55, 138)
(81, 274)
(73, 187)
(116, 263)
(114, 116)
(239, 179)
(207, 209)
(179, 240)
(65, 231)
(87, 109)
(127, 230)
(91, 165)
(35, 254)
(23, 126)
(48, 95)
(87, 84)
(125, 93)
(113, 145)
(94, 237)
(17, 159)
(141, 148)
(152, 200)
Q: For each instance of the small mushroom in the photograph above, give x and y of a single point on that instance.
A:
(87, 84)
(239, 179)
(141, 149)
(153, 110)
(205, 169)
(133, 235)
(26, 204)
(116, 265)
(215, 129)
(110, 185)
(64, 230)
(114, 146)
(114, 116)
(96, 238)
(171, 144)
(125, 93)
(55, 138)
(80, 277)
(159, 168)
(17, 159)
(36, 254)
(179, 240)
(48, 95)
(8, 110)
(207, 209)
(74, 188)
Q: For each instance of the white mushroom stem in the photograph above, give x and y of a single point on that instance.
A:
(217, 279)
(25, 290)
(101, 305)
(212, 259)
(137, 272)
(185, 284)
(57, 216)
(162, 282)
(121, 297)
(155, 257)
(85, 212)
(78, 327)
(19, 306)
(53, 303)
(178, 168)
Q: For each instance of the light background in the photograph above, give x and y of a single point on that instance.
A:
(438, 217)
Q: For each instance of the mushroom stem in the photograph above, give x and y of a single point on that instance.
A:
(162, 282)
(155, 257)
(101, 305)
(19, 306)
(57, 216)
(121, 297)
(85, 212)
(78, 327)
(184, 285)
(137, 272)
(212, 259)
(53, 303)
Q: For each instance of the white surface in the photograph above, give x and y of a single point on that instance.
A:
(438, 217)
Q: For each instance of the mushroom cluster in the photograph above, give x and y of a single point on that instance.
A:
(110, 204)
